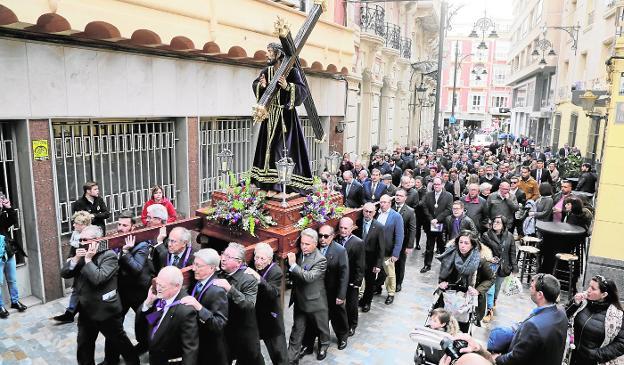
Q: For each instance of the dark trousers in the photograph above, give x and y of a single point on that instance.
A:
(301, 319)
(276, 346)
(399, 267)
(370, 279)
(517, 224)
(113, 331)
(420, 225)
(434, 240)
(140, 332)
(351, 302)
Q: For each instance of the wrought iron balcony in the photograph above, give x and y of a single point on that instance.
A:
(393, 36)
(372, 19)
(406, 48)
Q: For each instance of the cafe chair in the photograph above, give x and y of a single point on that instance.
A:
(528, 260)
(564, 270)
(531, 241)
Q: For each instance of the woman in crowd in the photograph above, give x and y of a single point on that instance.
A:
(575, 213)
(596, 317)
(543, 204)
(346, 164)
(484, 190)
(554, 173)
(463, 269)
(158, 197)
(503, 261)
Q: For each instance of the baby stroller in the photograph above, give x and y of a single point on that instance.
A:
(463, 307)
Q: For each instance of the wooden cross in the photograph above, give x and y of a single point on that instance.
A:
(292, 48)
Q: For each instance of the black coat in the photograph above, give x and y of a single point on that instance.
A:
(478, 212)
(409, 226)
(269, 314)
(98, 209)
(587, 182)
(161, 257)
(212, 320)
(357, 263)
(135, 274)
(545, 176)
(356, 197)
(95, 284)
(8, 218)
(503, 247)
(494, 181)
(589, 333)
(336, 273)
(177, 335)
(396, 173)
(444, 209)
(413, 198)
(520, 196)
(374, 244)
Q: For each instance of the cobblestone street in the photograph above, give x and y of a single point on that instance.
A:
(381, 338)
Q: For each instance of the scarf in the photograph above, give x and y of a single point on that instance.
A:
(465, 267)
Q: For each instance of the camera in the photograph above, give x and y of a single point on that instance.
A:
(451, 347)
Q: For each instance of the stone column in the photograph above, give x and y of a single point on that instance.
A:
(351, 135)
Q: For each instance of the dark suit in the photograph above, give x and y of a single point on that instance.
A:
(409, 228)
(443, 210)
(357, 265)
(396, 173)
(356, 197)
(587, 182)
(176, 337)
(99, 305)
(241, 331)
(269, 313)
(336, 282)
(544, 178)
(494, 181)
(212, 319)
(374, 246)
(539, 340)
(163, 258)
(310, 300)
(373, 196)
(135, 278)
(517, 223)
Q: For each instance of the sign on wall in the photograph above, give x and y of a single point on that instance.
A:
(40, 149)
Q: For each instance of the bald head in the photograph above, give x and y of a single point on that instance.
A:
(169, 282)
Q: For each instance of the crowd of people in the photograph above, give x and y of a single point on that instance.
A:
(471, 203)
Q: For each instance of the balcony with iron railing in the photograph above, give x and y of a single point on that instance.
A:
(372, 19)
(406, 48)
(393, 36)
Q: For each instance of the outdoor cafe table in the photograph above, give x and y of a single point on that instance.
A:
(557, 237)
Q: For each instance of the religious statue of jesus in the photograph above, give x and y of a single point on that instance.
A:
(281, 132)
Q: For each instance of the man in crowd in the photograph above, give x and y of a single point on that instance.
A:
(308, 295)
(394, 233)
(437, 206)
(241, 331)
(503, 203)
(390, 187)
(587, 181)
(458, 221)
(269, 313)
(179, 249)
(92, 202)
(375, 243)
(528, 184)
(559, 198)
(476, 208)
(409, 232)
(521, 198)
(490, 178)
(395, 171)
(336, 282)
(541, 338)
(357, 264)
(211, 304)
(374, 188)
(172, 326)
(541, 174)
(363, 178)
(352, 191)
(95, 284)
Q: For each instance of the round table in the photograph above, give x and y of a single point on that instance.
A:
(557, 237)
(587, 198)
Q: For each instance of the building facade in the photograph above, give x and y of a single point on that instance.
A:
(137, 93)
(478, 79)
(533, 82)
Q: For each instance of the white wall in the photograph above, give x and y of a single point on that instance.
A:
(54, 81)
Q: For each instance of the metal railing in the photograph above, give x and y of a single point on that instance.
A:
(406, 48)
(215, 135)
(125, 158)
(372, 19)
(393, 36)
(9, 183)
(315, 152)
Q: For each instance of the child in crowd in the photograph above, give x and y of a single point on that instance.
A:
(442, 320)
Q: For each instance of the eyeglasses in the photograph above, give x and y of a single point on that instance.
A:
(325, 235)
(228, 257)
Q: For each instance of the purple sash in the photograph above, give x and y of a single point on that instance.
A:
(186, 257)
(153, 319)
(201, 293)
(267, 270)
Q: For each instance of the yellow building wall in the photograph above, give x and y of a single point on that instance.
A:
(609, 220)
(244, 23)
(583, 128)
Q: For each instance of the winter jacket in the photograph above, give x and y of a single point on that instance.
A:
(166, 203)
(504, 248)
(98, 209)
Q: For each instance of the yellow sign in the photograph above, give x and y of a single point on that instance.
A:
(40, 149)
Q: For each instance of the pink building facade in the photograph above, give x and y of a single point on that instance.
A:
(482, 99)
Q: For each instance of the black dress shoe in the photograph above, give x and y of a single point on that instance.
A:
(366, 308)
(3, 312)
(398, 288)
(67, 317)
(322, 352)
(389, 299)
(425, 269)
(342, 344)
(305, 350)
(19, 306)
(351, 331)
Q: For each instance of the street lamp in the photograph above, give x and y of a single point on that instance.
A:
(588, 100)
(285, 167)
(543, 48)
(483, 25)
(225, 161)
(332, 164)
